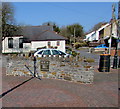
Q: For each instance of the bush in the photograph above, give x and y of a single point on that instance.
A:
(69, 51)
(74, 53)
(77, 45)
(90, 60)
(81, 44)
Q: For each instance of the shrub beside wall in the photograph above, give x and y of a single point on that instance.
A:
(80, 44)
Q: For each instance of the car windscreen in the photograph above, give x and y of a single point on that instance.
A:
(40, 52)
(55, 52)
(61, 53)
(46, 52)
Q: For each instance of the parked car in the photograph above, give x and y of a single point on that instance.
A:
(101, 47)
(41, 52)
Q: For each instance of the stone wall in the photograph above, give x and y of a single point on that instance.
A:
(70, 69)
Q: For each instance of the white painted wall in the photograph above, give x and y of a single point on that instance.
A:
(15, 48)
(91, 36)
(40, 44)
(97, 35)
(88, 36)
(62, 46)
(114, 30)
(27, 47)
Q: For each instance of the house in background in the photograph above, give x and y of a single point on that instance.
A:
(96, 37)
(107, 34)
(90, 36)
(102, 35)
(33, 38)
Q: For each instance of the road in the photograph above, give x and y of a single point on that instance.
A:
(95, 56)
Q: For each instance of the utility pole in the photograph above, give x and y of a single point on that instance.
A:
(74, 34)
(111, 32)
(115, 61)
(118, 26)
(119, 11)
(110, 40)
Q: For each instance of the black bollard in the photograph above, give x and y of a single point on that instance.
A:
(104, 63)
(34, 66)
(115, 62)
(119, 63)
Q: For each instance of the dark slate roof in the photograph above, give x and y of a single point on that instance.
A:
(40, 33)
(49, 35)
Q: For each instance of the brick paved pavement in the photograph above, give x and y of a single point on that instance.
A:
(57, 93)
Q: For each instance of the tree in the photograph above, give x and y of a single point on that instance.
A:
(55, 27)
(64, 32)
(75, 29)
(8, 23)
(72, 32)
(98, 25)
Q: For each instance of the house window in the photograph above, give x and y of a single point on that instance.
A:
(58, 43)
(21, 43)
(49, 44)
(10, 42)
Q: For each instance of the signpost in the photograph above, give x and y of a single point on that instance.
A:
(35, 74)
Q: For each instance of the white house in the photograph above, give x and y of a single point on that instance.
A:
(33, 38)
(91, 36)
(95, 35)
(103, 34)
(48, 39)
(15, 45)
